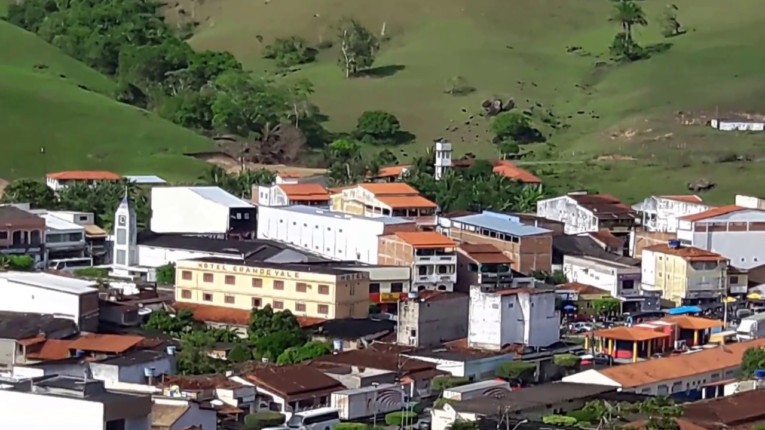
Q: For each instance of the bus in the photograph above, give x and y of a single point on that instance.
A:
(69, 264)
(314, 419)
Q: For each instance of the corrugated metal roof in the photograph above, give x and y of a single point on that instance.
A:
(145, 179)
(309, 210)
(51, 282)
(501, 223)
(220, 196)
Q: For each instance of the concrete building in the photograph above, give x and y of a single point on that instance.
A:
(70, 403)
(528, 246)
(500, 317)
(584, 213)
(59, 180)
(291, 388)
(63, 239)
(205, 211)
(661, 213)
(387, 284)
(735, 232)
(620, 279)
(304, 289)
(286, 191)
(432, 318)
(430, 255)
(385, 199)
(44, 293)
(22, 232)
(684, 275)
(125, 248)
(696, 375)
(482, 264)
(18, 331)
(171, 413)
(95, 236)
(332, 235)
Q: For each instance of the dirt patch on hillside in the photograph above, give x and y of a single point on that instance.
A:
(615, 157)
(232, 165)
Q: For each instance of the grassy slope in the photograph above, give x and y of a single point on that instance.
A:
(517, 48)
(80, 129)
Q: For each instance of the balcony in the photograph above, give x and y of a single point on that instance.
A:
(495, 278)
(447, 259)
(435, 278)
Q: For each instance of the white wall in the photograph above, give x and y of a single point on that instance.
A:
(340, 236)
(542, 326)
(590, 273)
(132, 374)
(743, 248)
(485, 319)
(178, 210)
(566, 210)
(661, 388)
(38, 412)
(26, 298)
(648, 268)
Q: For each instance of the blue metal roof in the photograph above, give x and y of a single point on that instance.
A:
(501, 223)
(682, 310)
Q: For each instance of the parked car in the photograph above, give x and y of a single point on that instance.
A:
(582, 327)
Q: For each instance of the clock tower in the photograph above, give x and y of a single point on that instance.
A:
(125, 249)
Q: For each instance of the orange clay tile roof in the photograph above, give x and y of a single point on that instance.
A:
(693, 323)
(52, 349)
(113, 343)
(581, 288)
(85, 175)
(31, 341)
(485, 253)
(425, 239)
(688, 253)
(406, 202)
(390, 171)
(305, 192)
(224, 315)
(607, 238)
(687, 198)
(681, 366)
(714, 212)
(634, 334)
(390, 189)
(511, 171)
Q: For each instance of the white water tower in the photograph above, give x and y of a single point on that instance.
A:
(443, 158)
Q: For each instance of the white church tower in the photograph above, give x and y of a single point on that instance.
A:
(443, 158)
(124, 249)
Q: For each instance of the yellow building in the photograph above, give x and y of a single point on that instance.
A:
(304, 289)
(385, 199)
(684, 274)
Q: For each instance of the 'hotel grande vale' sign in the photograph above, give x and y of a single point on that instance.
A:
(271, 273)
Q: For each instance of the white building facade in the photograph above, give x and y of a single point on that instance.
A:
(44, 293)
(332, 235)
(63, 238)
(585, 213)
(661, 213)
(512, 316)
(208, 211)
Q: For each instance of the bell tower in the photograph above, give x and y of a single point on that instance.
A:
(125, 249)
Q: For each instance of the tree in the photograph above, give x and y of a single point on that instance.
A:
(625, 49)
(36, 193)
(606, 305)
(444, 382)
(358, 46)
(22, 263)
(172, 324)
(628, 14)
(753, 359)
(166, 274)
(297, 94)
(239, 354)
(559, 420)
(346, 164)
(458, 86)
(519, 371)
(290, 51)
(670, 26)
(516, 127)
(508, 149)
(567, 362)
(272, 333)
(377, 126)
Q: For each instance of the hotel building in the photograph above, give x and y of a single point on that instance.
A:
(305, 290)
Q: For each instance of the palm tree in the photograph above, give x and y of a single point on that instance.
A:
(526, 200)
(629, 14)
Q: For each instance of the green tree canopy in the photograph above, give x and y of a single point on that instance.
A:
(520, 371)
(36, 193)
(358, 46)
(377, 126)
(515, 127)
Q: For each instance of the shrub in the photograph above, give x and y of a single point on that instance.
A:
(263, 419)
(289, 52)
(559, 420)
(439, 403)
(399, 418)
(350, 426)
(441, 383)
(91, 272)
(516, 370)
(378, 125)
(567, 361)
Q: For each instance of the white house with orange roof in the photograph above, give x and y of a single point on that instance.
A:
(736, 232)
(661, 213)
(385, 199)
(287, 191)
(389, 173)
(510, 170)
(59, 180)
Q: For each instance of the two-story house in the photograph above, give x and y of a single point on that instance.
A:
(684, 275)
(585, 213)
(21, 232)
(528, 246)
(386, 199)
(502, 316)
(59, 180)
(63, 239)
(430, 255)
(661, 213)
(483, 264)
(287, 191)
(620, 277)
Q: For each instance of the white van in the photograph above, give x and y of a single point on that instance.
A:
(69, 264)
(314, 419)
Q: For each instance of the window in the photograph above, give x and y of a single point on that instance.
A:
(628, 285)
(207, 297)
(412, 333)
(257, 282)
(229, 300)
(121, 236)
(396, 287)
(207, 277)
(3, 235)
(301, 287)
(186, 275)
(185, 294)
(422, 270)
(374, 287)
(278, 285)
(278, 304)
(443, 269)
(230, 280)
(323, 289)
(473, 267)
(734, 279)
(323, 309)
(299, 307)
(256, 302)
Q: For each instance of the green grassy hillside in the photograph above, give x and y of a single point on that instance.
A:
(624, 132)
(50, 100)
